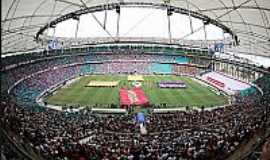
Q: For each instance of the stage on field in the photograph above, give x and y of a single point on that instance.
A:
(135, 78)
(102, 84)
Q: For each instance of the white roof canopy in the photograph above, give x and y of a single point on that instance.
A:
(248, 19)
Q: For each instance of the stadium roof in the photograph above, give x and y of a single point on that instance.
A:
(249, 20)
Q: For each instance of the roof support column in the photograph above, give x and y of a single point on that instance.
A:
(190, 19)
(77, 28)
(169, 13)
(105, 19)
(118, 22)
(54, 32)
(205, 34)
(224, 42)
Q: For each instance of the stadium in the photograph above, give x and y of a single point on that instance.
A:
(135, 80)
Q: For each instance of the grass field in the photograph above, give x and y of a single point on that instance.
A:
(194, 95)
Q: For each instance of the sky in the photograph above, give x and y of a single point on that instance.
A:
(137, 22)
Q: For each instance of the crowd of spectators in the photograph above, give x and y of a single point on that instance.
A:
(28, 90)
(15, 74)
(264, 83)
(116, 64)
(191, 134)
(208, 134)
(27, 57)
(126, 68)
(185, 69)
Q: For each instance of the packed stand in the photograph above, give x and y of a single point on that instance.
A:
(16, 73)
(187, 134)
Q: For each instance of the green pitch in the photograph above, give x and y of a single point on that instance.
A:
(195, 94)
